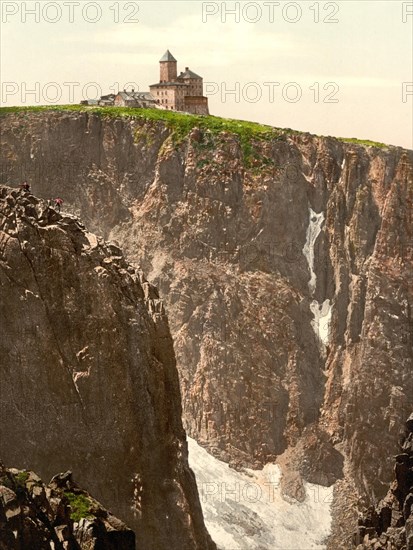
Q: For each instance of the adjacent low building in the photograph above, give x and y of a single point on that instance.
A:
(183, 92)
(104, 101)
(134, 99)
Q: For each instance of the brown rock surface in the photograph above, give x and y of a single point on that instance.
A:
(389, 525)
(223, 240)
(88, 375)
(34, 516)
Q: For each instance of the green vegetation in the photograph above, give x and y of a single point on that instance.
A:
(181, 124)
(15, 482)
(145, 136)
(364, 142)
(80, 505)
(21, 478)
(202, 163)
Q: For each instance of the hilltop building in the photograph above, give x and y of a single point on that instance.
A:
(104, 101)
(183, 92)
(179, 93)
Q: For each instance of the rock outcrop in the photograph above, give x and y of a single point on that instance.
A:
(59, 515)
(88, 375)
(285, 261)
(389, 525)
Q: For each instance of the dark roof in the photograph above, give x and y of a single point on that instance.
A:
(143, 95)
(136, 96)
(90, 102)
(189, 74)
(167, 56)
(168, 84)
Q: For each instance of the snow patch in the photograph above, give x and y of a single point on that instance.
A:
(321, 312)
(245, 510)
(313, 231)
(322, 319)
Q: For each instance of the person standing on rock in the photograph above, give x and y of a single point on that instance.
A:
(25, 186)
(58, 203)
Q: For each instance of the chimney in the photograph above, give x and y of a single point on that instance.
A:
(186, 68)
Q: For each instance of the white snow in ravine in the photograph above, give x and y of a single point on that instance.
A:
(246, 511)
(322, 319)
(322, 312)
(313, 231)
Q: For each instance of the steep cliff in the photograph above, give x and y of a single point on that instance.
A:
(59, 515)
(389, 525)
(285, 261)
(88, 375)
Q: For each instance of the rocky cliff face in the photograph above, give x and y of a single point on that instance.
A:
(88, 375)
(286, 264)
(389, 525)
(59, 515)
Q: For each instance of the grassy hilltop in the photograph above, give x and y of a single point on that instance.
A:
(182, 123)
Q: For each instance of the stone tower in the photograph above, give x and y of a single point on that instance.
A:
(178, 93)
(168, 67)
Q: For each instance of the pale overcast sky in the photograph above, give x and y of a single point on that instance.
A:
(330, 68)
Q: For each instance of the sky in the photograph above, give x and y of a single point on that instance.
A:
(340, 68)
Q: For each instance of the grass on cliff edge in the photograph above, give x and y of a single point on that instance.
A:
(80, 506)
(367, 142)
(181, 123)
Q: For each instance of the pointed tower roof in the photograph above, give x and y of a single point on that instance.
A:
(167, 56)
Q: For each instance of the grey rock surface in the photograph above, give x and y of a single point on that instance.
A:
(222, 237)
(88, 374)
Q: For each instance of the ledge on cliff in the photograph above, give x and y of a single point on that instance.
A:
(58, 515)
